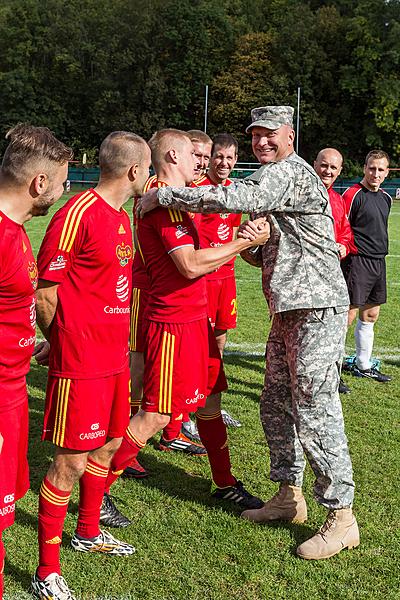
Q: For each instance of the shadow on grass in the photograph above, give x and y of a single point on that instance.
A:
(19, 576)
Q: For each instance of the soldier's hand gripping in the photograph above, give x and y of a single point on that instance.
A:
(257, 231)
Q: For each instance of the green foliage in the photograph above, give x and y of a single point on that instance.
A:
(85, 68)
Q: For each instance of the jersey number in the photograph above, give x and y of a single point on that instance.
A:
(234, 306)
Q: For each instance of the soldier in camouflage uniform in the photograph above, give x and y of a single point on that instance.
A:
(300, 407)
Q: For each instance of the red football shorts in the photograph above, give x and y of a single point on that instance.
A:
(182, 366)
(80, 414)
(138, 329)
(222, 304)
(14, 470)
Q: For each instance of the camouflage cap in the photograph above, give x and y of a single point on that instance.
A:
(271, 117)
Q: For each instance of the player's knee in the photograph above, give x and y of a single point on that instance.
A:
(66, 469)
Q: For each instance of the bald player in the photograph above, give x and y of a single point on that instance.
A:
(328, 166)
(83, 307)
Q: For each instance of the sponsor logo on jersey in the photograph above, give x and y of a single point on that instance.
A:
(33, 273)
(180, 231)
(24, 342)
(124, 253)
(121, 229)
(215, 244)
(117, 310)
(8, 498)
(122, 288)
(58, 263)
(7, 510)
(223, 231)
(32, 313)
(95, 426)
(195, 399)
(92, 435)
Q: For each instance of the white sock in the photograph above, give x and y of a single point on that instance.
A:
(364, 338)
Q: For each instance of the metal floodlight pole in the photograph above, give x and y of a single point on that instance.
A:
(298, 121)
(205, 110)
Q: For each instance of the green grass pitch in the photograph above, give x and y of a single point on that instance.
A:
(190, 549)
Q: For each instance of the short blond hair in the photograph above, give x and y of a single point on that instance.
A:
(161, 141)
(30, 150)
(119, 151)
(196, 135)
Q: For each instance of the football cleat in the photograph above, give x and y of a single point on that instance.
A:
(104, 543)
(371, 373)
(110, 515)
(229, 420)
(52, 587)
(135, 470)
(238, 495)
(182, 444)
(189, 429)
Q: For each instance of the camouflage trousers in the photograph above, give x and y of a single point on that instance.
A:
(301, 412)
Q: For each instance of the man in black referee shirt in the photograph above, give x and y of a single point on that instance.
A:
(364, 269)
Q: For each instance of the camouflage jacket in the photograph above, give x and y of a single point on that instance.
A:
(300, 261)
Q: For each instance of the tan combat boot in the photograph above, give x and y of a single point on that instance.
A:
(339, 531)
(288, 504)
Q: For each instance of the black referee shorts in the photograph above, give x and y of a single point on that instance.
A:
(365, 278)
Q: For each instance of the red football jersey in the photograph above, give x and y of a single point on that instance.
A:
(18, 280)
(216, 230)
(140, 279)
(341, 225)
(173, 298)
(87, 249)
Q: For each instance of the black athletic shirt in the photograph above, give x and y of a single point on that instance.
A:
(368, 213)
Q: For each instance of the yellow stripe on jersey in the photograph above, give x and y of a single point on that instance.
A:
(138, 249)
(149, 183)
(73, 219)
(175, 215)
(96, 470)
(166, 373)
(61, 411)
(52, 497)
(134, 319)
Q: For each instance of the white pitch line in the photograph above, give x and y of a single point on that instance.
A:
(248, 350)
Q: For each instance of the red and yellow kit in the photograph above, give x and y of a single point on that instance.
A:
(18, 280)
(81, 414)
(214, 231)
(88, 250)
(181, 367)
(141, 284)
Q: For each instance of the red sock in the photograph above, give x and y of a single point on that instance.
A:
(2, 557)
(172, 429)
(91, 491)
(129, 449)
(53, 505)
(212, 431)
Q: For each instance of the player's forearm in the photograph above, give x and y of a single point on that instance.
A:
(46, 306)
(208, 260)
